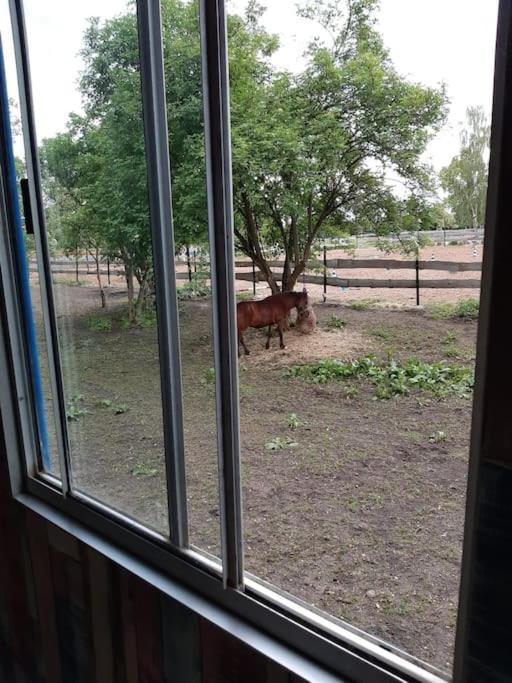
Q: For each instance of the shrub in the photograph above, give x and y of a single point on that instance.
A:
(99, 323)
(390, 378)
(334, 322)
(74, 412)
(362, 304)
(465, 309)
(142, 469)
(196, 289)
(279, 444)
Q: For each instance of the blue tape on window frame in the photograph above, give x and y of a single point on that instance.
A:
(20, 256)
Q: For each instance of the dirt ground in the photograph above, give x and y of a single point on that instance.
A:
(363, 517)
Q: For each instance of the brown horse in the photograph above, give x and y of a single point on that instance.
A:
(274, 310)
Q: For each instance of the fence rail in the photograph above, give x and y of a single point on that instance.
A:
(383, 264)
(387, 283)
(322, 277)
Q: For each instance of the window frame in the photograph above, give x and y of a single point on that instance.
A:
(296, 635)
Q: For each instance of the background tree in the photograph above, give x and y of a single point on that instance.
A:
(465, 179)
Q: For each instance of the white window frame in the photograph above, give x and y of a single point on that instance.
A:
(303, 640)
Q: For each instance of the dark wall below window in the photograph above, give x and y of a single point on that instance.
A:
(67, 614)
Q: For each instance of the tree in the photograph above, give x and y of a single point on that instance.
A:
(311, 150)
(95, 172)
(465, 178)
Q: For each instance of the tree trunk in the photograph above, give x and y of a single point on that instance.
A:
(140, 304)
(96, 258)
(129, 282)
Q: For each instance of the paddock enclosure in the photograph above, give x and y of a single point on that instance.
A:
(353, 504)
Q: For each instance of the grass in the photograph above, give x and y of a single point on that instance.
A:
(244, 296)
(98, 323)
(197, 289)
(279, 444)
(293, 421)
(334, 322)
(209, 376)
(465, 309)
(391, 378)
(437, 437)
(142, 469)
(362, 304)
(69, 282)
(119, 408)
(146, 320)
(74, 411)
(381, 332)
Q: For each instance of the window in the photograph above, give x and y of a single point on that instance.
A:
(136, 417)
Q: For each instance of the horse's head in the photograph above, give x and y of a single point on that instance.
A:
(301, 300)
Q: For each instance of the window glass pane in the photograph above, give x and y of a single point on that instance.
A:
(88, 112)
(43, 396)
(182, 62)
(346, 145)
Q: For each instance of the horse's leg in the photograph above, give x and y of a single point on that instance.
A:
(267, 345)
(280, 330)
(242, 341)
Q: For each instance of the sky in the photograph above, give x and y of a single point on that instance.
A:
(430, 41)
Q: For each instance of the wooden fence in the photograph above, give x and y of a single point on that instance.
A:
(246, 271)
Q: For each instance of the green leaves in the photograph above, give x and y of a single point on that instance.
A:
(465, 178)
(392, 378)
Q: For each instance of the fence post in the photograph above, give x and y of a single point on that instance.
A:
(189, 267)
(253, 279)
(417, 282)
(194, 259)
(87, 261)
(108, 271)
(325, 273)
(76, 265)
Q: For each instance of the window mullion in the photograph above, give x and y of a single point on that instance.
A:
(220, 221)
(42, 252)
(160, 206)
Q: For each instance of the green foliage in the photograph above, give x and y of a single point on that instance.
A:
(119, 408)
(309, 149)
(437, 437)
(244, 296)
(69, 282)
(293, 421)
(147, 318)
(409, 246)
(279, 444)
(74, 410)
(196, 289)
(391, 378)
(99, 323)
(362, 304)
(382, 332)
(143, 469)
(209, 376)
(449, 338)
(465, 179)
(334, 322)
(465, 309)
